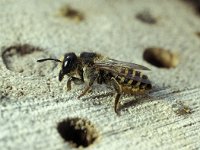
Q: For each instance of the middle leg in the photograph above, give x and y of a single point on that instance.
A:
(87, 88)
(75, 80)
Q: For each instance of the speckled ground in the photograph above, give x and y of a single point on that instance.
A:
(33, 101)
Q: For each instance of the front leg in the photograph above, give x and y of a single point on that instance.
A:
(75, 80)
(87, 88)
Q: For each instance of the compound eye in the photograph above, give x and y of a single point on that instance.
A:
(67, 62)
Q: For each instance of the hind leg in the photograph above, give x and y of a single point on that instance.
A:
(118, 89)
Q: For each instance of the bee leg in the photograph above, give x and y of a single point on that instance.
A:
(69, 84)
(119, 91)
(87, 88)
(90, 91)
(100, 79)
(75, 80)
(117, 103)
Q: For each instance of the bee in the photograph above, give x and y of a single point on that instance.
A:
(90, 67)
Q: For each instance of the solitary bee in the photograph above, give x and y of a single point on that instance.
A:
(91, 67)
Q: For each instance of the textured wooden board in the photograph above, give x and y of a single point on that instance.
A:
(33, 102)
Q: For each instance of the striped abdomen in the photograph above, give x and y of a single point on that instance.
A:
(132, 78)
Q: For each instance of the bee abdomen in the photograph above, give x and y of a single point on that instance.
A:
(138, 75)
(142, 81)
(143, 85)
(133, 79)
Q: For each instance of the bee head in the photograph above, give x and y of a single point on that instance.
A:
(69, 64)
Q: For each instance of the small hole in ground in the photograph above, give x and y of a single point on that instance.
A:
(195, 4)
(198, 34)
(181, 109)
(71, 13)
(146, 17)
(22, 58)
(160, 57)
(78, 132)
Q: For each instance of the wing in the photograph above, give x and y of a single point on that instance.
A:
(112, 62)
(114, 69)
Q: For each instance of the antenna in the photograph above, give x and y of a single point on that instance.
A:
(42, 60)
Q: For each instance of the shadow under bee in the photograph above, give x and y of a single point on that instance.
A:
(143, 98)
(137, 100)
(99, 96)
(131, 101)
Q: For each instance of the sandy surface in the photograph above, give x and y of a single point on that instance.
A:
(33, 101)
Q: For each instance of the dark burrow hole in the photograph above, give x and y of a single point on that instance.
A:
(198, 34)
(195, 4)
(78, 132)
(71, 13)
(22, 58)
(146, 17)
(160, 57)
